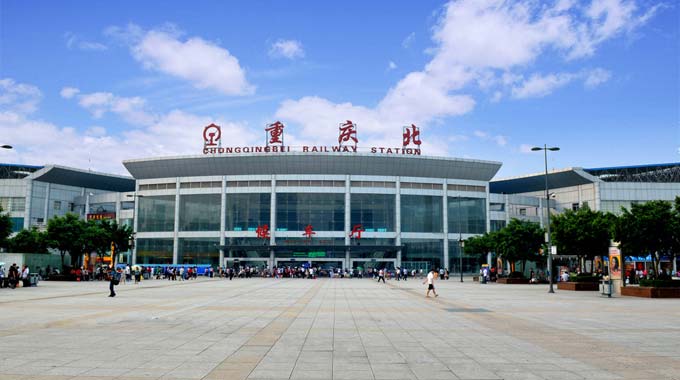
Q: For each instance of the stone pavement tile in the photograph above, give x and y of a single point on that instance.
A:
(311, 375)
(392, 371)
(352, 375)
(473, 372)
(71, 371)
(559, 375)
(270, 374)
(153, 373)
(425, 374)
(228, 374)
(385, 357)
(599, 375)
(185, 373)
(318, 366)
(505, 375)
(113, 372)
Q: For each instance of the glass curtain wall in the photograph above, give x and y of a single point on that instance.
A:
(422, 254)
(199, 212)
(375, 212)
(325, 212)
(467, 215)
(421, 213)
(154, 251)
(245, 212)
(156, 214)
(193, 251)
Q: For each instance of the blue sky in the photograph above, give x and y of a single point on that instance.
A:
(89, 84)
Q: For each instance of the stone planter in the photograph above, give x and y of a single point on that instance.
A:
(579, 286)
(648, 292)
(512, 280)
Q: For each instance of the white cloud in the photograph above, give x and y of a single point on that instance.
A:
(541, 85)
(75, 42)
(131, 110)
(201, 62)
(68, 92)
(391, 65)
(596, 77)
(489, 44)
(408, 41)
(19, 97)
(174, 133)
(481, 134)
(290, 49)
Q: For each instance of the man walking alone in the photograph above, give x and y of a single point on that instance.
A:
(430, 284)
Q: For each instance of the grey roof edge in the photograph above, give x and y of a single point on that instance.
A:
(337, 154)
(37, 174)
(577, 170)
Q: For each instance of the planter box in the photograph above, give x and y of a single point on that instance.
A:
(512, 281)
(579, 286)
(643, 291)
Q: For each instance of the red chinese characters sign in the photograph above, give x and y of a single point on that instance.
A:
(101, 216)
(347, 142)
(309, 231)
(275, 133)
(263, 232)
(357, 230)
(411, 135)
(348, 133)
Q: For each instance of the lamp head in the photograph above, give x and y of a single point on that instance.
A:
(6, 147)
(554, 148)
(536, 148)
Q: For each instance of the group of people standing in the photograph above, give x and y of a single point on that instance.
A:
(14, 276)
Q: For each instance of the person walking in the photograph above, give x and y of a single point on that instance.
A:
(430, 284)
(114, 279)
(381, 275)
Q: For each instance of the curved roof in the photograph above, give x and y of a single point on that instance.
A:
(536, 182)
(312, 163)
(63, 175)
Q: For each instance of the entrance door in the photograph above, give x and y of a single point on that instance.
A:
(365, 264)
(237, 262)
(325, 263)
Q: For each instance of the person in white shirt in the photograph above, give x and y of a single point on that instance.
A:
(565, 277)
(24, 276)
(430, 284)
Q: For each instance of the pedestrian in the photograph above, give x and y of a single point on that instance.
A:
(24, 276)
(114, 279)
(430, 283)
(13, 276)
(381, 275)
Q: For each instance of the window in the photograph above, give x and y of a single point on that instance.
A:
(496, 206)
(421, 213)
(467, 215)
(156, 213)
(375, 212)
(523, 212)
(154, 251)
(575, 206)
(199, 212)
(247, 211)
(324, 211)
(57, 205)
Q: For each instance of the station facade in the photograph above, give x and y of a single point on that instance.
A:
(330, 209)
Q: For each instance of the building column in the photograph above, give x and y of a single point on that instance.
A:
(272, 224)
(46, 209)
(27, 204)
(397, 218)
(118, 207)
(175, 239)
(445, 225)
(135, 217)
(223, 216)
(348, 220)
(87, 205)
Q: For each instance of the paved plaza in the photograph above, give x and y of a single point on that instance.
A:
(332, 329)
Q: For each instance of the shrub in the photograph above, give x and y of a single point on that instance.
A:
(583, 277)
(516, 275)
(660, 283)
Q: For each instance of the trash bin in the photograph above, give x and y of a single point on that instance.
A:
(606, 287)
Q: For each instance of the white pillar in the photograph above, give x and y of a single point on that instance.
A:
(175, 239)
(46, 209)
(27, 204)
(445, 226)
(223, 216)
(272, 224)
(348, 220)
(135, 218)
(397, 218)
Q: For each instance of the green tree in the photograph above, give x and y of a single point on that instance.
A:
(480, 246)
(520, 240)
(29, 241)
(63, 234)
(646, 228)
(109, 234)
(675, 230)
(584, 233)
(5, 227)
(91, 237)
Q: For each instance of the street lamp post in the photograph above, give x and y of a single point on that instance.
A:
(545, 150)
(462, 251)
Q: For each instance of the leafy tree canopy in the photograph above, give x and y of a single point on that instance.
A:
(585, 233)
(5, 227)
(29, 241)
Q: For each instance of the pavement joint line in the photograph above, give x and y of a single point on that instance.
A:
(484, 320)
(305, 298)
